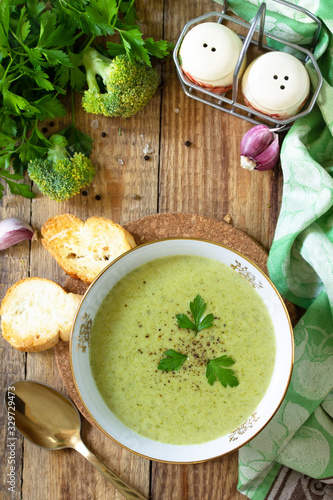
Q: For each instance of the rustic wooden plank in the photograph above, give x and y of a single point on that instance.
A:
(14, 265)
(213, 479)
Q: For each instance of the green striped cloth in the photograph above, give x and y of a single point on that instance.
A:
(300, 264)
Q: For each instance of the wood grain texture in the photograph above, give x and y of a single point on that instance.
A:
(204, 179)
(14, 266)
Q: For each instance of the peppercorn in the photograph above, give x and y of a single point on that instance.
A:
(97, 197)
(51, 124)
(103, 134)
(44, 130)
(188, 144)
(146, 157)
(84, 193)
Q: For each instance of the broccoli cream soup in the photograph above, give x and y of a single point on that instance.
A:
(177, 373)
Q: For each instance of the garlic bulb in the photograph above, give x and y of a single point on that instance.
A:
(259, 149)
(14, 230)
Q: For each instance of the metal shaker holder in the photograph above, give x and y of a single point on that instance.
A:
(231, 103)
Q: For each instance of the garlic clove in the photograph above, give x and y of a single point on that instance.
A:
(259, 149)
(256, 140)
(14, 230)
(269, 157)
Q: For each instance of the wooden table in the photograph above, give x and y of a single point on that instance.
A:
(204, 178)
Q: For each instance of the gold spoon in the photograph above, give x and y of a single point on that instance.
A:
(50, 420)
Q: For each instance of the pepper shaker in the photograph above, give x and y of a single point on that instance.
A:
(276, 84)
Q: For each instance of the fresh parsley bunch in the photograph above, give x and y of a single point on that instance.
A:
(41, 43)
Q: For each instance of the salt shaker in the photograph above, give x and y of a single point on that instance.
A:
(276, 84)
(208, 56)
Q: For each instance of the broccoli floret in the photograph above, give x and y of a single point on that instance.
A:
(60, 176)
(129, 84)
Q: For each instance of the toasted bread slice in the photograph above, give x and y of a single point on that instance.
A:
(83, 249)
(36, 312)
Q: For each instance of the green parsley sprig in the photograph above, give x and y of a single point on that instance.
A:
(172, 362)
(218, 369)
(197, 307)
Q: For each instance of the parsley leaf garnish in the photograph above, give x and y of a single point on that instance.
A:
(172, 362)
(198, 307)
(217, 369)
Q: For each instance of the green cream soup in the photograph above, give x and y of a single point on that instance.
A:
(136, 324)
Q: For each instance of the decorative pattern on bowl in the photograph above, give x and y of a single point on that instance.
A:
(248, 424)
(84, 333)
(244, 271)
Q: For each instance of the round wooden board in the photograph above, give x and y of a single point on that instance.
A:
(170, 225)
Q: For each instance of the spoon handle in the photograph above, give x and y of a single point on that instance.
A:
(125, 489)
